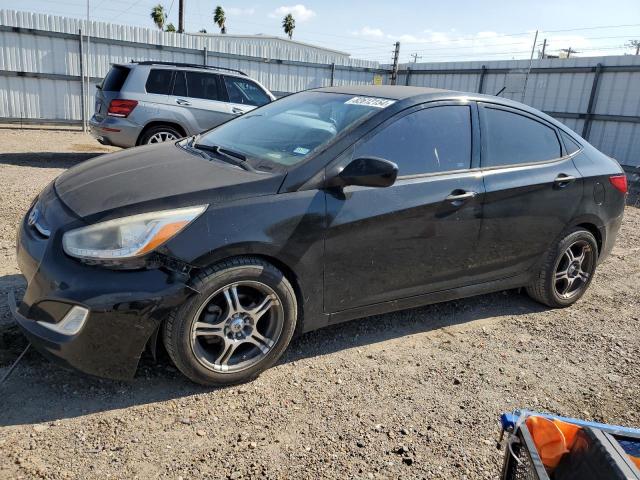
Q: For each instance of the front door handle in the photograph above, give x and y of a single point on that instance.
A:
(458, 196)
(180, 101)
(563, 180)
(237, 111)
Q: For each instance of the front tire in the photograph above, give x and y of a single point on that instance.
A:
(567, 270)
(238, 325)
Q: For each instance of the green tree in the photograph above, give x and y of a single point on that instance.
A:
(220, 19)
(170, 28)
(159, 16)
(289, 24)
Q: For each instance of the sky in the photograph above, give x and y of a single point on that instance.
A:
(432, 31)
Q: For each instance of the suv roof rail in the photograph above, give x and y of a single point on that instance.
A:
(189, 65)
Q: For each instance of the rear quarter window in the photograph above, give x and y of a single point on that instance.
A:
(115, 79)
(159, 81)
(570, 145)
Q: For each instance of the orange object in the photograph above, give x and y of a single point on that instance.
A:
(164, 234)
(569, 430)
(549, 440)
(635, 460)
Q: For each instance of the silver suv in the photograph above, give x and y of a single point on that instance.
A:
(150, 102)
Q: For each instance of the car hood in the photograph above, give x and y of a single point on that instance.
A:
(158, 177)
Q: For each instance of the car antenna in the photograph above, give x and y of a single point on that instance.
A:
(500, 91)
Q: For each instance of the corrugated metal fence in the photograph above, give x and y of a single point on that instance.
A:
(597, 97)
(41, 67)
(40, 71)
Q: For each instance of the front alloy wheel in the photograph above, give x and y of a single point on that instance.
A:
(238, 325)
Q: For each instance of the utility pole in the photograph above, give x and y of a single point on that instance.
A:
(396, 57)
(415, 57)
(181, 16)
(569, 51)
(526, 78)
(634, 44)
(544, 47)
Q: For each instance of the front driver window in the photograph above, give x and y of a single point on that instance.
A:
(245, 92)
(431, 140)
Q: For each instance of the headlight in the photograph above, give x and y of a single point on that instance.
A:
(129, 236)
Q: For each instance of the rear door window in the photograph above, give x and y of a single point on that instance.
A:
(510, 139)
(115, 79)
(159, 81)
(197, 85)
(245, 92)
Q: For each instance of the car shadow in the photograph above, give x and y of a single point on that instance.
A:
(47, 159)
(39, 391)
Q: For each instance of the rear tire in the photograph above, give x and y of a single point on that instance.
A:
(238, 325)
(567, 270)
(159, 134)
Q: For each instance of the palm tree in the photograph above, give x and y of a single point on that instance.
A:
(219, 19)
(289, 24)
(170, 28)
(159, 16)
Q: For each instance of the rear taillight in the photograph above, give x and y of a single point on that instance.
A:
(121, 108)
(619, 182)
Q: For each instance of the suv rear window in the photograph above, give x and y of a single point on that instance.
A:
(115, 78)
(159, 81)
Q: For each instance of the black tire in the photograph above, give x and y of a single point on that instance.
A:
(152, 133)
(548, 286)
(177, 330)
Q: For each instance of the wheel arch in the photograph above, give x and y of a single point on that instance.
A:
(595, 226)
(264, 253)
(158, 123)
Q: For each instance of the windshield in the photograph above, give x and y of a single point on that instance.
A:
(289, 130)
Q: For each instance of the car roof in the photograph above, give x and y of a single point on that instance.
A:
(409, 95)
(393, 92)
(189, 67)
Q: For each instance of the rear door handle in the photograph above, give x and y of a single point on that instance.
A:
(180, 101)
(460, 196)
(562, 180)
(237, 111)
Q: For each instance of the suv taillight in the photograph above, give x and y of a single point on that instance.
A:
(619, 182)
(121, 108)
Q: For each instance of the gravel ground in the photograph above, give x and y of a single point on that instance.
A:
(414, 394)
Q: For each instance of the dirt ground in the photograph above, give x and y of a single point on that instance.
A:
(415, 394)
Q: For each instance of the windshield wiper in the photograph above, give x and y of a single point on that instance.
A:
(231, 156)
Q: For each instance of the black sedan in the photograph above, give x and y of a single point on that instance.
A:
(321, 207)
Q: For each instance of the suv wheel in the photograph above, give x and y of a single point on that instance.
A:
(237, 326)
(567, 270)
(162, 133)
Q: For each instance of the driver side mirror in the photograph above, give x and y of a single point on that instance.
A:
(365, 172)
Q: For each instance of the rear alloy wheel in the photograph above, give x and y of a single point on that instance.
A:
(237, 326)
(567, 270)
(163, 133)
